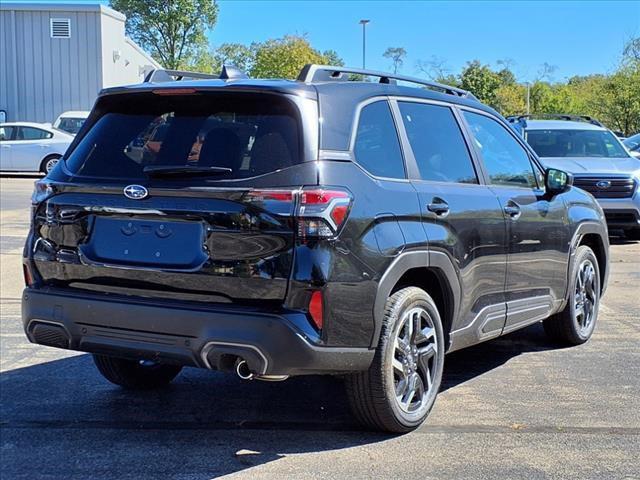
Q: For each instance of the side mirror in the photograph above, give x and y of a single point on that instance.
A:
(557, 181)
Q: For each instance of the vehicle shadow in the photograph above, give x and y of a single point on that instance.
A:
(204, 425)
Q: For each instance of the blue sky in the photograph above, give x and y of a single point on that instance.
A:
(578, 37)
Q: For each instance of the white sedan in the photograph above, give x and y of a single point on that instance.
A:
(31, 147)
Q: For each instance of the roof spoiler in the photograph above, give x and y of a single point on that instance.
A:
(324, 73)
(228, 72)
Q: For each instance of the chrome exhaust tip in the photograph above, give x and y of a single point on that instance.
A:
(242, 369)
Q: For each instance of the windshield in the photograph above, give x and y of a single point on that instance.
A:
(575, 143)
(245, 135)
(633, 143)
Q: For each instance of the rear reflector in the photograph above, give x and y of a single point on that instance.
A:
(315, 309)
(28, 277)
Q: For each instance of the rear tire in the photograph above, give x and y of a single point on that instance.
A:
(632, 233)
(576, 323)
(399, 389)
(135, 375)
(48, 163)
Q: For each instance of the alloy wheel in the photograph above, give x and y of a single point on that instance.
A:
(585, 299)
(48, 166)
(415, 356)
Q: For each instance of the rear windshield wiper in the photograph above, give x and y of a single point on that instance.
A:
(183, 171)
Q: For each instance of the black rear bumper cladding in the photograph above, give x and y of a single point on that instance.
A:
(271, 343)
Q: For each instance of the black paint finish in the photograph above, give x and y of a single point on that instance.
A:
(216, 249)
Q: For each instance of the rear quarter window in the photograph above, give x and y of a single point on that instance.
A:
(250, 134)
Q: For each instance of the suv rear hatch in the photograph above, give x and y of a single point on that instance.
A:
(164, 196)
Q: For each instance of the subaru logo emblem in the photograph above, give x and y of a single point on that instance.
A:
(603, 184)
(135, 192)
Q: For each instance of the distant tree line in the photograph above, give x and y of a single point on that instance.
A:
(613, 98)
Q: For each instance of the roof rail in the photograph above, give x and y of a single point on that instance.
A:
(322, 73)
(555, 116)
(229, 72)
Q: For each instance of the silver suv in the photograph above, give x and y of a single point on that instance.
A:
(600, 163)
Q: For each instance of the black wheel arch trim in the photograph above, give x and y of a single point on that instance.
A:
(586, 228)
(438, 261)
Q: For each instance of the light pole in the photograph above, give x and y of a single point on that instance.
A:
(528, 98)
(364, 39)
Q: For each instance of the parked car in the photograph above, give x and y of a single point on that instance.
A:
(599, 162)
(31, 147)
(70, 122)
(408, 223)
(633, 144)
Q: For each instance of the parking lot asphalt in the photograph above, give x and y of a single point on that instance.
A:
(514, 407)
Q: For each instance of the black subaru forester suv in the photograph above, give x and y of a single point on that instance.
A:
(320, 226)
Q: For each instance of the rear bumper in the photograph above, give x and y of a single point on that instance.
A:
(272, 343)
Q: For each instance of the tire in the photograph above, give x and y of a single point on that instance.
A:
(632, 233)
(48, 163)
(135, 375)
(576, 323)
(373, 394)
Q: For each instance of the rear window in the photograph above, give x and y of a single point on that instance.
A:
(70, 125)
(248, 133)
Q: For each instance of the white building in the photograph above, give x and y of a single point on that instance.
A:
(57, 57)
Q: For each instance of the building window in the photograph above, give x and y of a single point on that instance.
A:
(60, 28)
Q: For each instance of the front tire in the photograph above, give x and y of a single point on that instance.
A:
(135, 374)
(576, 323)
(398, 391)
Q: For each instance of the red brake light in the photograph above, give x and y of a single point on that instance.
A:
(277, 195)
(315, 309)
(321, 197)
(322, 212)
(174, 91)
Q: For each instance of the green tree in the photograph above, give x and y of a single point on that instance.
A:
(620, 100)
(284, 57)
(397, 56)
(173, 32)
(237, 54)
(510, 99)
(481, 81)
(331, 57)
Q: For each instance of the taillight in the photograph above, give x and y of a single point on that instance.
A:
(42, 189)
(319, 212)
(322, 212)
(315, 309)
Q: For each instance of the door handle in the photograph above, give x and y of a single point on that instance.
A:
(439, 207)
(512, 209)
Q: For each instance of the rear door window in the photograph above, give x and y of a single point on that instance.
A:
(377, 148)
(249, 134)
(437, 143)
(30, 133)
